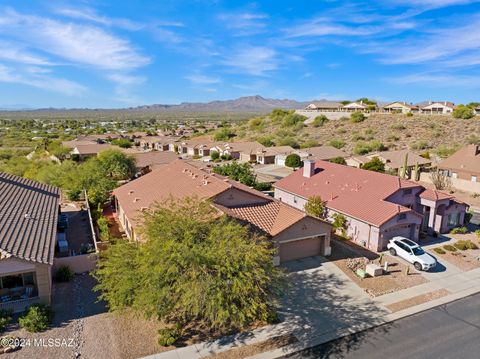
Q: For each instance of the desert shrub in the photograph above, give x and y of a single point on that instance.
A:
(292, 119)
(122, 142)
(102, 224)
(341, 131)
(214, 155)
(223, 134)
(338, 160)
(337, 143)
(393, 138)
(471, 245)
(477, 233)
(419, 145)
(288, 141)
(409, 114)
(459, 230)
(439, 250)
(5, 319)
(358, 137)
(263, 186)
(266, 141)
(293, 160)
(36, 318)
(320, 121)
(376, 145)
(168, 336)
(64, 274)
(463, 112)
(361, 148)
(398, 127)
(446, 151)
(357, 117)
(461, 245)
(309, 143)
(450, 248)
(226, 157)
(375, 164)
(256, 123)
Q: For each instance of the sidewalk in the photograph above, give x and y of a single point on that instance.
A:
(312, 332)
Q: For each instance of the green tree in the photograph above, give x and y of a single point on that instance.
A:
(339, 223)
(293, 160)
(214, 155)
(320, 121)
(223, 134)
(116, 164)
(375, 164)
(194, 269)
(241, 172)
(315, 207)
(122, 142)
(464, 112)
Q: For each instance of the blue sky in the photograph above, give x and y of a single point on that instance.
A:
(127, 53)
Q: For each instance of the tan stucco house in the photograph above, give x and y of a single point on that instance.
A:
(376, 206)
(28, 232)
(294, 234)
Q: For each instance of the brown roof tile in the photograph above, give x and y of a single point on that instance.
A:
(28, 218)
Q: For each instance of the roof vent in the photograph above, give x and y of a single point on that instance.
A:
(136, 199)
(27, 216)
(130, 192)
(144, 209)
(205, 182)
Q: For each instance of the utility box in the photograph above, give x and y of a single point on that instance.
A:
(361, 273)
(374, 270)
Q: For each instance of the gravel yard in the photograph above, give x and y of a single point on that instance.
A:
(465, 260)
(87, 329)
(395, 280)
(419, 299)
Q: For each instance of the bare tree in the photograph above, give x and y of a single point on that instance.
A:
(440, 180)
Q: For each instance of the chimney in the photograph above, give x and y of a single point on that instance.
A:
(473, 150)
(308, 168)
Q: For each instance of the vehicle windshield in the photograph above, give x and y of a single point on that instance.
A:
(417, 251)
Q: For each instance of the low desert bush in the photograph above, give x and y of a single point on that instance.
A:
(64, 274)
(439, 250)
(450, 248)
(459, 230)
(36, 318)
(5, 319)
(168, 336)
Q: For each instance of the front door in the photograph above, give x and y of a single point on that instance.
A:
(426, 218)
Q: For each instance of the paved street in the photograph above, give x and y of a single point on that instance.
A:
(447, 331)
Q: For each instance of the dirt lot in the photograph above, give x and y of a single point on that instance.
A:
(419, 299)
(88, 329)
(395, 280)
(464, 260)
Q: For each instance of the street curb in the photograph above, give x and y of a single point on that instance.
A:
(331, 336)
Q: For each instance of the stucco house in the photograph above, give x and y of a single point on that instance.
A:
(394, 161)
(355, 106)
(377, 206)
(325, 153)
(464, 168)
(242, 151)
(267, 155)
(28, 234)
(437, 107)
(294, 234)
(326, 106)
(400, 106)
(84, 151)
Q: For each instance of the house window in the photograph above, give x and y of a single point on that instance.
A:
(454, 175)
(402, 216)
(453, 219)
(473, 178)
(17, 280)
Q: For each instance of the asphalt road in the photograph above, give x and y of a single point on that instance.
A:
(451, 331)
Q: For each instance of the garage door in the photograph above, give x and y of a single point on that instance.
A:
(403, 230)
(301, 249)
(280, 161)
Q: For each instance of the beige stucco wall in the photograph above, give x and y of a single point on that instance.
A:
(458, 183)
(79, 264)
(44, 282)
(305, 228)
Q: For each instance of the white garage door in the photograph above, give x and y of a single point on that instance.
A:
(280, 161)
(301, 249)
(404, 230)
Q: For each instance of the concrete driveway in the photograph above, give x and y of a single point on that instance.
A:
(322, 299)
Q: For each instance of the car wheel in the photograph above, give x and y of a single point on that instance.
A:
(393, 252)
(417, 266)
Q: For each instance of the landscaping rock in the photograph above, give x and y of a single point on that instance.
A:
(374, 270)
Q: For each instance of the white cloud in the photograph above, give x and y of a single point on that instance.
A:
(253, 60)
(244, 23)
(81, 44)
(15, 53)
(436, 79)
(199, 79)
(47, 83)
(433, 4)
(323, 27)
(90, 14)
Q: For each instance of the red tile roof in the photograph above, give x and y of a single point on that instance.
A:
(355, 192)
(272, 217)
(434, 195)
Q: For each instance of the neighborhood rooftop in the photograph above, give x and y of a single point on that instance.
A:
(28, 219)
(360, 193)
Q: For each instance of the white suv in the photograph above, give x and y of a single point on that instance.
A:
(411, 252)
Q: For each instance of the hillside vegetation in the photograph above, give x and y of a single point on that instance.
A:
(438, 134)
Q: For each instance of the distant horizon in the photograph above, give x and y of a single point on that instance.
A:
(26, 108)
(126, 54)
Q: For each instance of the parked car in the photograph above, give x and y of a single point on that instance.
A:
(411, 252)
